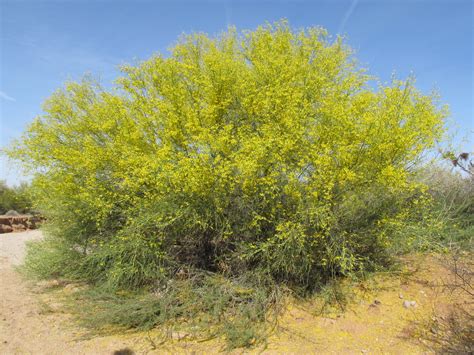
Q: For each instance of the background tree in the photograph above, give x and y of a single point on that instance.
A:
(14, 198)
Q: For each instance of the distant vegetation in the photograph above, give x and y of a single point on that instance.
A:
(208, 183)
(14, 198)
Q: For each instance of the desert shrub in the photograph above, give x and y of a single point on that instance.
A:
(453, 194)
(50, 258)
(15, 198)
(209, 304)
(438, 217)
(268, 151)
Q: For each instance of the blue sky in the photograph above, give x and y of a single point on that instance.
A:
(45, 43)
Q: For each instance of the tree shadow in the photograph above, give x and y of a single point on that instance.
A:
(124, 351)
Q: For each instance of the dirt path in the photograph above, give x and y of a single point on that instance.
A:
(25, 326)
(376, 322)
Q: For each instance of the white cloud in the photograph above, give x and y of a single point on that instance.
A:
(5, 96)
(347, 15)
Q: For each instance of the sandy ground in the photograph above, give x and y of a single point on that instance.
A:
(32, 321)
(27, 325)
(12, 247)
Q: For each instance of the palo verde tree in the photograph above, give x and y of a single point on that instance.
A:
(265, 150)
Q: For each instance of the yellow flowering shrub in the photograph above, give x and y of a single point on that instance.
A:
(264, 149)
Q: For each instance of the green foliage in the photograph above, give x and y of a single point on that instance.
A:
(15, 198)
(444, 217)
(453, 194)
(264, 152)
(211, 306)
(48, 259)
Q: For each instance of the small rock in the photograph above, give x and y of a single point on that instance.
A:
(4, 228)
(400, 296)
(48, 283)
(71, 288)
(18, 227)
(12, 213)
(375, 304)
(409, 304)
(179, 335)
